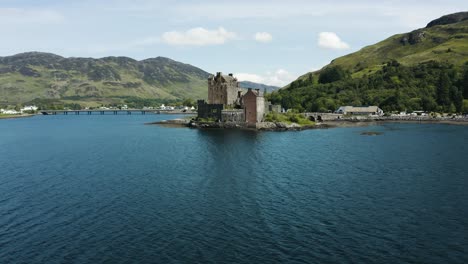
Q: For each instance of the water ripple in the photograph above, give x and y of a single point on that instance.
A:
(92, 189)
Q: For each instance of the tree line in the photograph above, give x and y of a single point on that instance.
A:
(431, 86)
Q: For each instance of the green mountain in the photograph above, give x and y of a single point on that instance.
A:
(254, 85)
(439, 41)
(45, 77)
(423, 69)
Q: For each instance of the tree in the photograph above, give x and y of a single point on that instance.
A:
(443, 90)
(464, 82)
(457, 99)
(428, 103)
(332, 74)
(188, 102)
(310, 79)
(465, 106)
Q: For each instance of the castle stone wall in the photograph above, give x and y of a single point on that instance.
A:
(237, 116)
(209, 110)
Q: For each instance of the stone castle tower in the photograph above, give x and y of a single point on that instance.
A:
(254, 106)
(223, 89)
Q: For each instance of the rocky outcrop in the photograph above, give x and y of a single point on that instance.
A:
(449, 19)
(282, 126)
(414, 37)
(30, 72)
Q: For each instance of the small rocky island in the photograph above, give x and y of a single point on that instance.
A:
(261, 126)
(230, 106)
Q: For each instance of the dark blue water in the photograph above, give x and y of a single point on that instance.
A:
(108, 189)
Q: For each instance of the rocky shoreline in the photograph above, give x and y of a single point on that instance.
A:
(368, 122)
(282, 126)
(263, 126)
(15, 116)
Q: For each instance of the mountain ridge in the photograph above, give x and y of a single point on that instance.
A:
(254, 85)
(40, 75)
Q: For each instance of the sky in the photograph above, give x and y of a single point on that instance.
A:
(271, 42)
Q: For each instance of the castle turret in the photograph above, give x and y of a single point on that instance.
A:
(223, 89)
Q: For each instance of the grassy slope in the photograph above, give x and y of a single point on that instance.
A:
(437, 41)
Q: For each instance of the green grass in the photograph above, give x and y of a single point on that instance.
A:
(3, 116)
(288, 118)
(206, 120)
(438, 40)
(434, 47)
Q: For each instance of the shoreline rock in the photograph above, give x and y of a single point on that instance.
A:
(263, 126)
(171, 123)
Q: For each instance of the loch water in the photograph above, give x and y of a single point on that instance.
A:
(109, 189)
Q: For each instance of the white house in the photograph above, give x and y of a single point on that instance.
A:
(11, 112)
(361, 110)
(29, 108)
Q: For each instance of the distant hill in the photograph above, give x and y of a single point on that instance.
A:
(253, 85)
(403, 72)
(36, 75)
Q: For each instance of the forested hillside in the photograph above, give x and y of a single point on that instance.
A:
(426, 69)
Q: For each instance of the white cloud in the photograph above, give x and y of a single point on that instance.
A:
(29, 16)
(198, 37)
(329, 40)
(279, 78)
(263, 37)
(249, 77)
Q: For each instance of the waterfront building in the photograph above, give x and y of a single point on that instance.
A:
(29, 108)
(361, 110)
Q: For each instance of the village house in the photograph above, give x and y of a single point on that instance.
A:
(361, 110)
(11, 112)
(31, 108)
